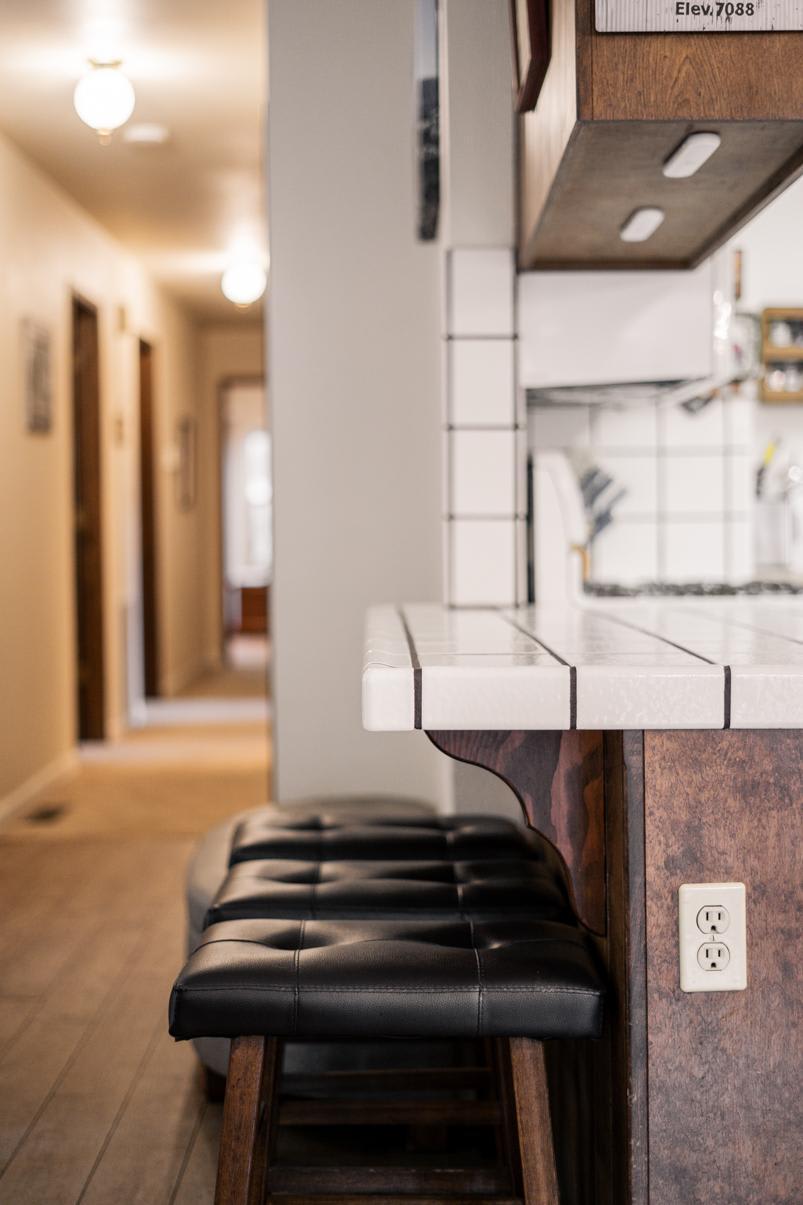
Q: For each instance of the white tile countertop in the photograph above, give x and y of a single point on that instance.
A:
(612, 664)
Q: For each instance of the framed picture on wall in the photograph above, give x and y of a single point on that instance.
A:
(186, 471)
(427, 100)
(37, 377)
(529, 23)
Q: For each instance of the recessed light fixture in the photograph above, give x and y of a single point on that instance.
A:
(104, 98)
(244, 281)
(146, 134)
(641, 224)
(690, 156)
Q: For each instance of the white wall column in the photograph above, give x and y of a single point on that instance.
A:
(355, 383)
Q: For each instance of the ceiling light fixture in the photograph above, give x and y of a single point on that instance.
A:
(641, 224)
(690, 156)
(104, 98)
(244, 281)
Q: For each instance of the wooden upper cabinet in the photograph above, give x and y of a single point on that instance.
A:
(615, 106)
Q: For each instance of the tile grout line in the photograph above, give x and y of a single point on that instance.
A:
(726, 669)
(571, 668)
(418, 683)
(750, 627)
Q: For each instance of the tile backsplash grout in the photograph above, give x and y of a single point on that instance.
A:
(687, 513)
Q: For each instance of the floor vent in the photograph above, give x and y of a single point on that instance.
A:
(46, 813)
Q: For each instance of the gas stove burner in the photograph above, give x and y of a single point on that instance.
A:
(690, 589)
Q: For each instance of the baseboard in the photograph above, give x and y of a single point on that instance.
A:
(43, 778)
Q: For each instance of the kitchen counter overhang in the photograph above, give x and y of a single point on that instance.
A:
(612, 665)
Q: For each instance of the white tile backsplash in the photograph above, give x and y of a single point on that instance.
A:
(483, 473)
(480, 292)
(680, 428)
(694, 551)
(481, 382)
(740, 422)
(483, 562)
(740, 482)
(638, 475)
(693, 485)
(560, 427)
(626, 553)
(740, 553)
(690, 480)
(626, 427)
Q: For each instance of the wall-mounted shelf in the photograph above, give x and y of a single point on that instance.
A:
(615, 107)
(782, 354)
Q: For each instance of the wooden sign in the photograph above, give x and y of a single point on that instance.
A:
(698, 16)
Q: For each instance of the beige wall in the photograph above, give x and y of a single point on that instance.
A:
(49, 248)
(226, 352)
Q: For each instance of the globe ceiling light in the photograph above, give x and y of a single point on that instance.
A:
(104, 98)
(244, 281)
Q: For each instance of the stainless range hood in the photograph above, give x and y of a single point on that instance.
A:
(626, 338)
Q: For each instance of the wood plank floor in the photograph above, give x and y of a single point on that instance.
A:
(97, 1104)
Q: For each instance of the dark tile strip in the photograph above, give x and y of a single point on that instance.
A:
(655, 635)
(682, 648)
(571, 668)
(418, 682)
(752, 627)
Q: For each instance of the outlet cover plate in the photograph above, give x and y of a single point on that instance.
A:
(691, 898)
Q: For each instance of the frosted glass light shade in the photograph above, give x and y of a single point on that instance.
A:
(104, 99)
(244, 281)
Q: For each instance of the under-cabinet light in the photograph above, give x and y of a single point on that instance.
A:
(641, 224)
(690, 156)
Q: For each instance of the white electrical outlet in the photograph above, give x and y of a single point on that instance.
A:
(713, 937)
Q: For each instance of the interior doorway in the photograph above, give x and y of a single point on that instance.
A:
(88, 533)
(246, 518)
(147, 494)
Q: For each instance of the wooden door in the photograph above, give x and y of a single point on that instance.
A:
(150, 634)
(88, 522)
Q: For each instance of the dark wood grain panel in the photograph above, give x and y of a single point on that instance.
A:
(611, 168)
(614, 106)
(558, 780)
(627, 965)
(545, 133)
(687, 76)
(725, 1068)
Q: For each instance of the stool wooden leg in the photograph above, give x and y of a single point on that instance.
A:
(248, 1121)
(538, 1173)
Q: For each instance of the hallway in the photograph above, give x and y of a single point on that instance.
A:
(97, 1104)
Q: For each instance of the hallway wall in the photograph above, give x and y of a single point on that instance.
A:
(225, 352)
(50, 248)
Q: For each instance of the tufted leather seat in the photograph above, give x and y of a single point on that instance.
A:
(486, 890)
(334, 838)
(455, 978)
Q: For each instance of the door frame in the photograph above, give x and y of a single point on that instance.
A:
(223, 386)
(149, 532)
(88, 528)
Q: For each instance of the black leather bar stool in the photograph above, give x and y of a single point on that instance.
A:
(281, 868)
(521, 980)
(289, 889)
(329, 837)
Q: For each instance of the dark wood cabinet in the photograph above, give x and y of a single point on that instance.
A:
(689, 1097)
(615, 106)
